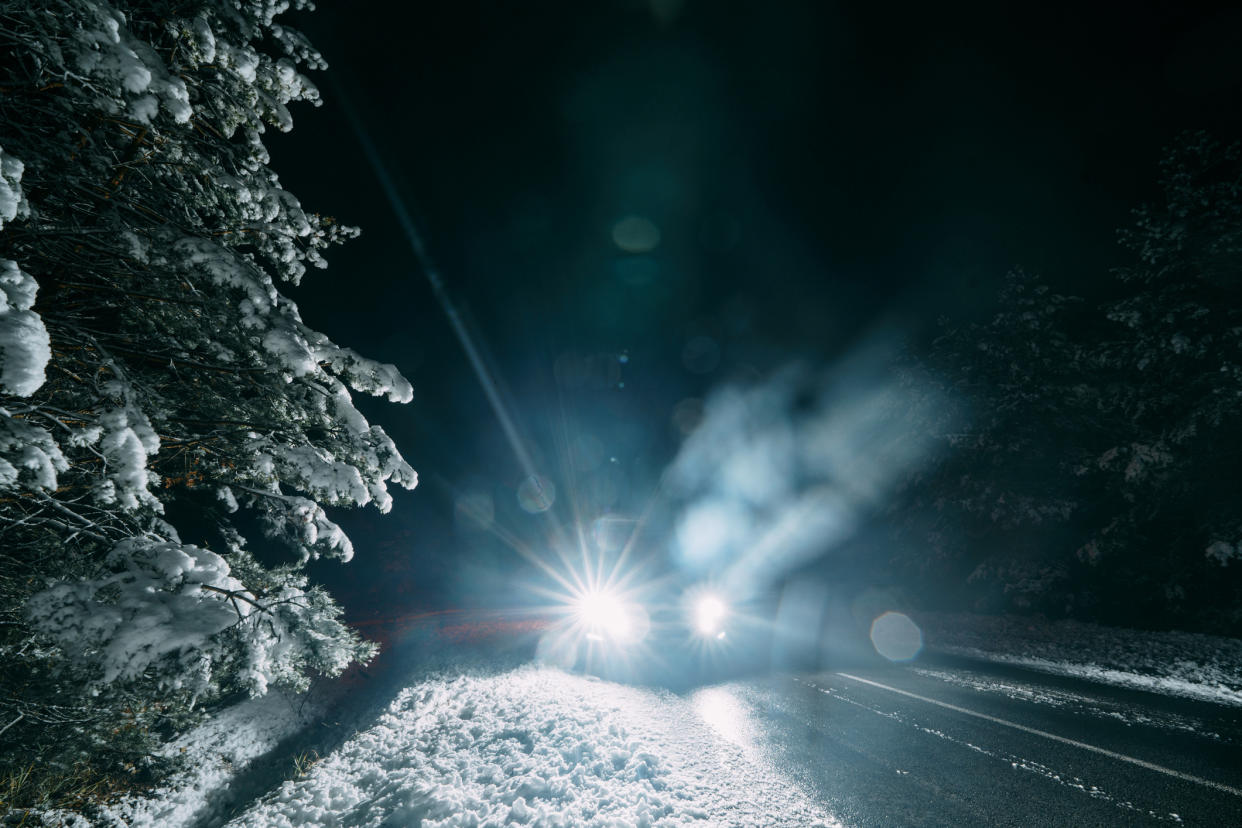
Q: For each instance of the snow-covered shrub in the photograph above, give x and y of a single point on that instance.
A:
(151, 368)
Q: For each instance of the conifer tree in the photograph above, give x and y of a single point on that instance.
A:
(153, 373)
(1089, 465)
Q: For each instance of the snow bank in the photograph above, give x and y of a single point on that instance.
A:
(535, 746)
(1184, 664)
(472, 734)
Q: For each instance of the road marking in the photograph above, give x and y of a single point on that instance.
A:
(1054, 737)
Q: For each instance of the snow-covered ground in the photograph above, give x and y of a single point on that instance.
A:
(1184, 664)
(465, 731)
(541, 747)
(474, 734)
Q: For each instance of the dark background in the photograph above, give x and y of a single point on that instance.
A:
(815, 170)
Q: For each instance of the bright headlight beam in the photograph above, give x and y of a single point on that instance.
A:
(709, 616)
(603, 615)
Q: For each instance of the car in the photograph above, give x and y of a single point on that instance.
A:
(670, 636)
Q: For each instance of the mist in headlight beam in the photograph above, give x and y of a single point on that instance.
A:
(784, 471)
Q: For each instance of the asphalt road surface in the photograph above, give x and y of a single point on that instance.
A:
(955, 742)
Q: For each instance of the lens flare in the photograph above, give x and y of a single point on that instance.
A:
(603, 616)
(896, 637)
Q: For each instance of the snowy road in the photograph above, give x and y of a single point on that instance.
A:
(944, 742)
(973, 744)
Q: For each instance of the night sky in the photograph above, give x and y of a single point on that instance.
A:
(815, 171)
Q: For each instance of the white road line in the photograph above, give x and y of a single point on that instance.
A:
(1054, 737)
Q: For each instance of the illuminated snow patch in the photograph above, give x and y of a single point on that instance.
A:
(727, 715)
(539, 747)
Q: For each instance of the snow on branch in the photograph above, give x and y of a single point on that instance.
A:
(151, 367)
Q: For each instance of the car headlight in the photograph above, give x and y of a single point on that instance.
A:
(603, 616)
(708, 616)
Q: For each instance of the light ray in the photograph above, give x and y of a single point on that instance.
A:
(415, 239)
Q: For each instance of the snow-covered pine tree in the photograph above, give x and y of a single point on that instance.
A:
(1097, 461)
(150, 367)
(1169, 367)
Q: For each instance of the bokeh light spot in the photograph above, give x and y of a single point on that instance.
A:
(896, 637)
(536, 494)
(635, 234)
